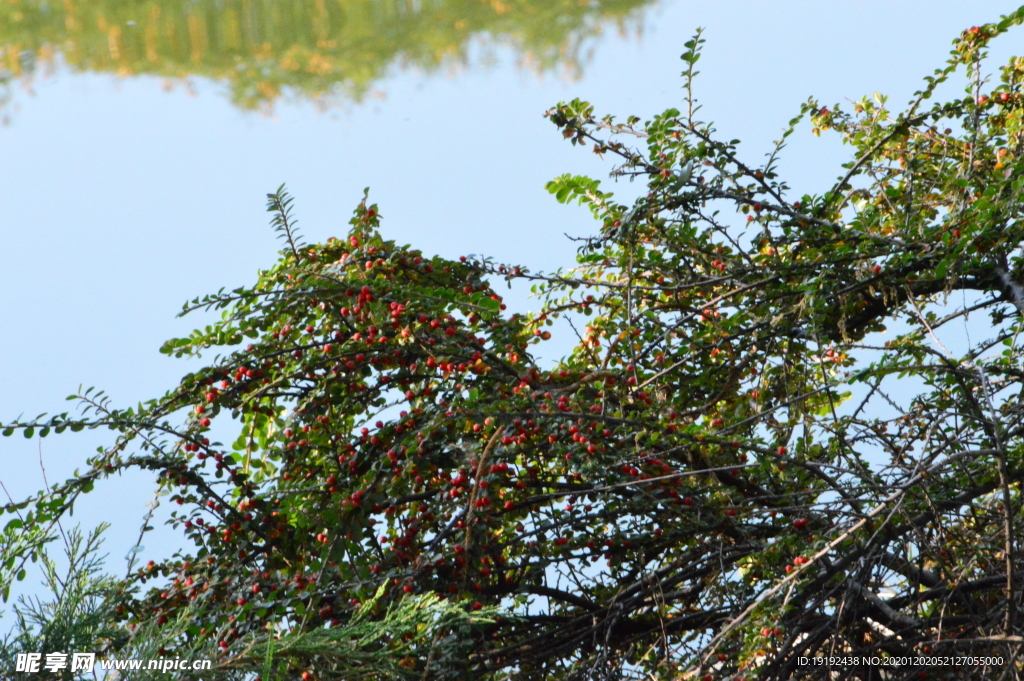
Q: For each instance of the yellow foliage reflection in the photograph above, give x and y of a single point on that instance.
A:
(308, 48)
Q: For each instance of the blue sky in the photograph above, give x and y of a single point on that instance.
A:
(121, 200)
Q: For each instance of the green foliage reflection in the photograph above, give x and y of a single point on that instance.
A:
(308, 48)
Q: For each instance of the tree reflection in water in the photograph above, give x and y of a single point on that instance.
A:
(315, 49)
